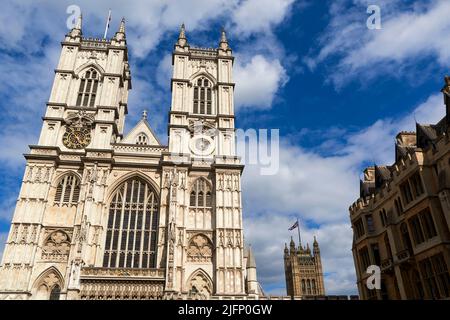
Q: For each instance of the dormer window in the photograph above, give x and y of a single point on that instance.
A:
(88, 89)
(142, 139)
(203, 96)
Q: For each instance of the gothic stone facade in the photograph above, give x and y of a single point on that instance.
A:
(103, 215)
(401, 221)
(303, 271)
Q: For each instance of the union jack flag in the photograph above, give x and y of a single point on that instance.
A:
(295, 225)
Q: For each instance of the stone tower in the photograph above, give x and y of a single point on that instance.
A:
(107, 215)
(207, 207)
(303, 270)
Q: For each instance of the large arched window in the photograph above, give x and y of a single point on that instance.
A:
(132, 226)
(88, 88)
(67, 191)
(200, 196)
(202, 96)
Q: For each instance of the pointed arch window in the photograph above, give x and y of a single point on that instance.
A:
(67, 191)
(88, 88)
(202, 96)
(132, 226)
(48, 286)
(200, 195)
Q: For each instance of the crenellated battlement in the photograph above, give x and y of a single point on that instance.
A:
(401, 168)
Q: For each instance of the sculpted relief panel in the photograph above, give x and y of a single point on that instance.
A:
(199, 249)
(56, 246)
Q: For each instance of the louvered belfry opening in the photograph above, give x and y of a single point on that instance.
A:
(67, 191)
(88, 89)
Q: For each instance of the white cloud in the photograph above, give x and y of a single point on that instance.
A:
(164, 71)
(259, 15)
(408, 33)
(25, 24)
(375, 143)
(258, 81)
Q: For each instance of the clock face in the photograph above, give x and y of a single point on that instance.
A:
(202, 145)
(76, 138)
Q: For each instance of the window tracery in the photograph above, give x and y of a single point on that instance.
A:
(56, 246)
(88, 88)
(132, 226)
(202, 96)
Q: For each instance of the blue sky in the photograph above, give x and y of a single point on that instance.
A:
(337, 91)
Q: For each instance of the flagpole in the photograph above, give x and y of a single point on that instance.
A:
(298, 229)
(107, 24)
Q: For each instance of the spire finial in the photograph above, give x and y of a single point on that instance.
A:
(76, 30)
(144, 115)
(316, 247)
(223, 36)
(122, 25)
(182, 41)
(182, 32)
(223, 44)
(120, 34)
(79, 24)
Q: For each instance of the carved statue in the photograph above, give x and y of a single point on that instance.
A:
(172, 235)
(82, 234)
(74, 282)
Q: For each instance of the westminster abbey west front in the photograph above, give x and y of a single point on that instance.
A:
(104, 214)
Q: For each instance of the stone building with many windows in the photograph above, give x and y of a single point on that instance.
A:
(303, 271)
(401, 221)
(106, 215)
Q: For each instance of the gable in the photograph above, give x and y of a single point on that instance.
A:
(142, 129)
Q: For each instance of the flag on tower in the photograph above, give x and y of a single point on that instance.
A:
(107, 24)
(295, 225)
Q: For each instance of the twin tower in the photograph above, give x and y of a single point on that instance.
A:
(106, 215)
